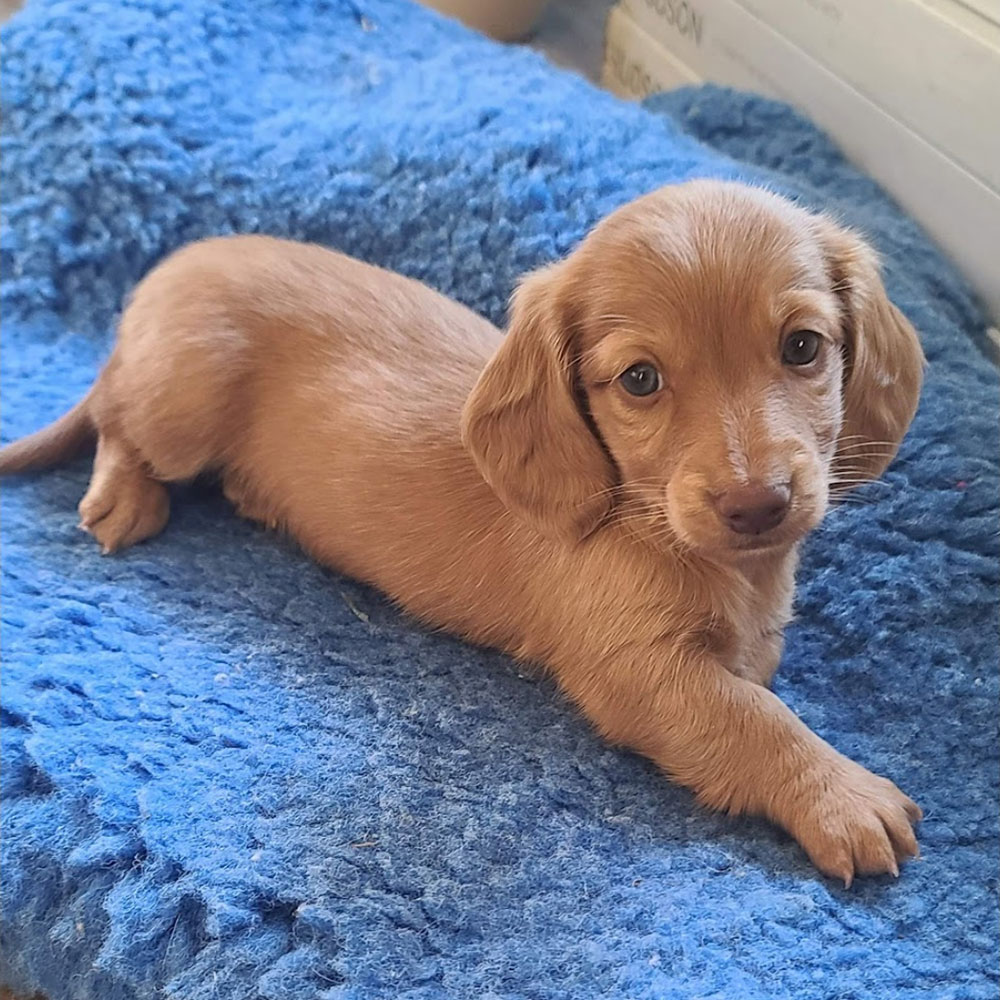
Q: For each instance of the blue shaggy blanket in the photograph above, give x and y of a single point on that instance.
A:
(231, 775)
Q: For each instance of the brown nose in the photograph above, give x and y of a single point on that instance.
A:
(754, 508)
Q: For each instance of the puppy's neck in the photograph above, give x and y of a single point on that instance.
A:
(754, 590)
(762, 570)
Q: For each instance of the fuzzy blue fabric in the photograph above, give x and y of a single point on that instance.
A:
(231, 775)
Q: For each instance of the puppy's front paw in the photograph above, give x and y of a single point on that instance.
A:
(852, 822)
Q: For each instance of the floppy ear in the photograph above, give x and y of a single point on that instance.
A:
(884, 362)
(524, 426)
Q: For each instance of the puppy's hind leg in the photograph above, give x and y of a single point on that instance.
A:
(123, 504)
(167, 408)
(159, 415)
(247, 502)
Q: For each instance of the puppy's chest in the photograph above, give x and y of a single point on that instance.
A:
(744, 625)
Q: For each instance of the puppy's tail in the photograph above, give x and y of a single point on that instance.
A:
(69, 436)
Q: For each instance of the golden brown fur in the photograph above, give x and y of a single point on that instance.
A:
(512, 491)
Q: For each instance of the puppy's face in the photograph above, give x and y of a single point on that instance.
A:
(706, 366)
(710, 356)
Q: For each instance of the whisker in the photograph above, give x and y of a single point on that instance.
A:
(866, 440)
(637, 518)
(868, 443)
(638, 487)
(857, 457)
(856, 476)
(841, 491)
(853, 450)
(853, 482)
(861, 469)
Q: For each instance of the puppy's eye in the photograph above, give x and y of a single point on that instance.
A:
(641, 379)
(801, 348)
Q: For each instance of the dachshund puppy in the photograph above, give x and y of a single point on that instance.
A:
(617, 489)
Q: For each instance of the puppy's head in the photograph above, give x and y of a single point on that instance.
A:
(711, 361)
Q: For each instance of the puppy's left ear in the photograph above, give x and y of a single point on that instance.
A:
(884, 361)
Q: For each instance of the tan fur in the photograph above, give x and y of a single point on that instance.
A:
(511, 491)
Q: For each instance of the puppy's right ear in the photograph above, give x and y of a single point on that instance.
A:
(523, 425)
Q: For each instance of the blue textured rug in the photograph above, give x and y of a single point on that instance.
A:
(230, 775)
